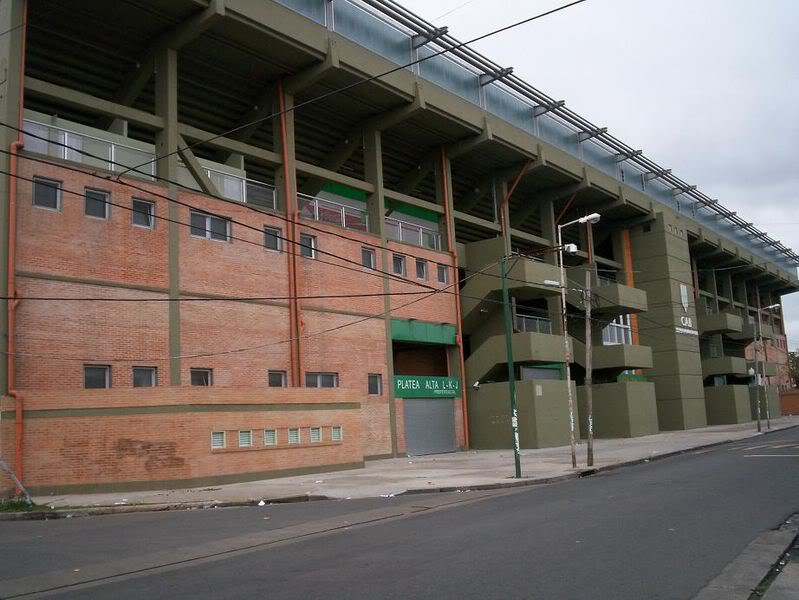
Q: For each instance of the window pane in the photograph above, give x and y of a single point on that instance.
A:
(443, 274)
(307, 246)
(142, 213)
(368, 258)
(95, 377)
(245, 439)
(219, 228)
(143, 377)
(45, 193)
(272, 238)
(399, 265)
(336, 433)
(270, 437)
(198, 224)
(311, 380)
(96, 204)
(294, 436)
(277, 378)
(201, 377)
(218, 439)
(374, 384)
(316, 434)
(421, 269)
(327, 380)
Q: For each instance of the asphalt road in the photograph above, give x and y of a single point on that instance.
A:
(655, 531)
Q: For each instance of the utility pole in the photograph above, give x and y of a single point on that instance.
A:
(514, 415)
(589, 394)
(757, 366)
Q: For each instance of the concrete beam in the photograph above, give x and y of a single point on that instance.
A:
(196, 134)
(550, 195)
(344, 150)
(410, 200)
(472, 220)
(174, 38)
(70, 97)
(195, 168)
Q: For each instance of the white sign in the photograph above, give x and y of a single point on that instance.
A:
(686, 331)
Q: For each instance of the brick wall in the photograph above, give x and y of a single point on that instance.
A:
(85, 444)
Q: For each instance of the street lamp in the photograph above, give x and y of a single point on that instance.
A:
(761, 373)
(592, 218)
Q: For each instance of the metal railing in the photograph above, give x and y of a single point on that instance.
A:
(411, 233)
(531, 324)
(606, 280)
(97, 152)
(332, 213)
(389, 29)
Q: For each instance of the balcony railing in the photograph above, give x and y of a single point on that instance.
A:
(114, 156)
(531, 324)
(411, 233)
(333, 213)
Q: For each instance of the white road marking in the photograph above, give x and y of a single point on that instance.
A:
(770, 455)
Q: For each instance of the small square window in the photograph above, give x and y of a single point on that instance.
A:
(375, 384)
(209, 226)
(398, 263)
(273, 239)
(97, 204)
(294, 435)
(270, 437)
(316, 434)
(368, 258)
(143, 213)
(307, 245)
(443, 274)
(321, 380)
(337, 433)
(202, 377)
(217, 439)
(245, 439)
(277, 378)
(96, 376)
(46, 193)
(145, 377)
(421, 268)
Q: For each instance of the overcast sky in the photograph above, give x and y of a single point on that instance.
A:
(708, 88)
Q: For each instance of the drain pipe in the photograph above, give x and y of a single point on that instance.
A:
(454, 255)
(11, 303)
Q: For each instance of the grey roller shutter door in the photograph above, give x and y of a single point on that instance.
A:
(429, 426)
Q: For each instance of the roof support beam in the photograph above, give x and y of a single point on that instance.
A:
(195, 168)
(587, 135)
(622, 156)
(175, 38)
(422, 39)
(486, 78)
(550, 195)
(543, 109)
(344, 150)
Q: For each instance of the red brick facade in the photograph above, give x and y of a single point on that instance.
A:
(104, 437)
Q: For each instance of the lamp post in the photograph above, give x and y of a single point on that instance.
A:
(592, 218)
(514, 415)
(761, 371)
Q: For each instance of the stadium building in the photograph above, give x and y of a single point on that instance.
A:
(251, 239)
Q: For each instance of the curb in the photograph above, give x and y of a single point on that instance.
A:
(65, 513)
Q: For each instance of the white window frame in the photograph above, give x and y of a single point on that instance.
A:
(153, 376)
(107, 369)
(443, 269)
(283, 378)
(59, 193)
(311, 436)
(305, 247)
(372, 258)
(134, 212)
(618, 328)
(379, 377)
(420, 262)
(207, 227)
(245, 432)
(278, 233)
(318, 375)
(403, 264)
(210, 372)
(224, 440)
(333, 436)
(299, 435)
(106, 204)
(267, 442)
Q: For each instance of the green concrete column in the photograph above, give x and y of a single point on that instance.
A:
(166, 145)
(662, 263)
(549, 230)
(10, 52)
(376, 208)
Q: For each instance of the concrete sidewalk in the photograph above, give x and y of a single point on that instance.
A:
(462, 470)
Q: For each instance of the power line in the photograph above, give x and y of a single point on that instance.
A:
(364, 81)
